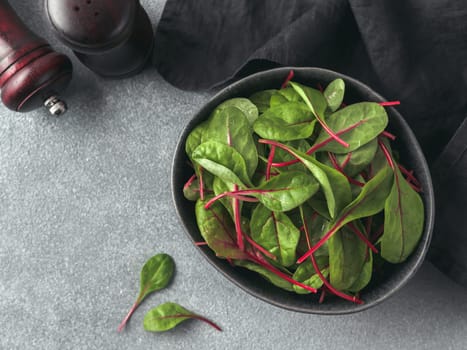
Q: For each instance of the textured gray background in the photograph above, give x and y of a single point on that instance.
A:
(85, 200)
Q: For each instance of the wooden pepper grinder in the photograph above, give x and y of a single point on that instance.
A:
(113, 38)
(31, 73)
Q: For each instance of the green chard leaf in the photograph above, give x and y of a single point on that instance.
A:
(365, 276)
(315, 226)
(307, 275)
(285, 122)
(334, 94)
(156, 274)
(266, 274)
(275, 232)
(371, 199)
(191, 189)
(359, 158)
(334, 185)
(168, 315)
(290, 94)
(277, 100)
(286, 191)
(284, 156)
(218, 230)
(373, 119)
(262, 99)
(230, 126)
(347, 255)
(243, 104)
(194, 139)
(219, 186)
(369, 202)
(222, 161)
(403, 221)
(313, 98)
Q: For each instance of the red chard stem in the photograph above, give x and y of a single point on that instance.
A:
(214, 199)
(127, 317)
(289, 78)
(313, 148)
(209, 322)
(339, 169)
(368, 223)
(378, 233)
(238, 223)
(321, 297)
(386, 154)
(362, 237)
(346, 160)
(390, 103)
(329, 286)
(333, 135)
(189, 182)
(321, 241)
(281, 274)
(270, 160)
(409, 174)
(259, 247)
(388, 135)
(201, 184)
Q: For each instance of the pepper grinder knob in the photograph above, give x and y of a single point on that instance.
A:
(30, 71)
(113, 38)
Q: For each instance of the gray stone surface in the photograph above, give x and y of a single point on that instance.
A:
(85, 200)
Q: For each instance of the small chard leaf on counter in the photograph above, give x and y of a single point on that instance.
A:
(334, 94)
(156, 274)
(168, 315)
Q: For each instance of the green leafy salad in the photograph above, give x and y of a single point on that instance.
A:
(303, 189)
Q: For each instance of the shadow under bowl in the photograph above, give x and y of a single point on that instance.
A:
(411, 155)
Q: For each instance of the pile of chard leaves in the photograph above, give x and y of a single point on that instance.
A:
(302, 189)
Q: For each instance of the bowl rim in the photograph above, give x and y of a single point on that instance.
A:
(429, 198)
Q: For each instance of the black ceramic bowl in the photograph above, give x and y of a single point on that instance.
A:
(411, 155)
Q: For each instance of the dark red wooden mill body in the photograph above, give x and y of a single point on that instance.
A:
(31, 73)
